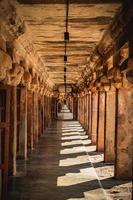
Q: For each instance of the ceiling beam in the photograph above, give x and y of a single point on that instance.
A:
(64, 1)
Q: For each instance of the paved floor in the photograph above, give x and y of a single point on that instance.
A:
(65, 114)
(60, 168)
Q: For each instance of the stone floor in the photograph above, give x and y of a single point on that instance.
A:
(65, 166)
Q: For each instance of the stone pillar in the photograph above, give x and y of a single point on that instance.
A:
(94, 117)
(39, 116)
(49, 111)
(109, 151)
(79, 109)
(101, 122)
(30, 119)
(75, 108)
(81, 105)
(84, 111)
(46, 112)
(43, 117)
(124, 134)
(35, 118)
(89, 115)
(14, 129)
(23, 124)
(87, 111)
(13, 132)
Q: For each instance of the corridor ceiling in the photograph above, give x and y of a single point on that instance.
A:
(45, 25)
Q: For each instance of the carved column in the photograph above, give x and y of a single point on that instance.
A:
(30, 119)
(23, 124)
(49, 110)
(46, 110)
(39, 116)
(101, 122)
(83, 113)
(94, 117)
(35, 118)
(43, 116)
(75, 107)
(124, 133)
(14, 127)
(124, 121)
(89, 115)
(109, 151)
(80, 116)
(79, 109)
(87, 111)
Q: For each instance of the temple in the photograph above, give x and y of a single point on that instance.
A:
(66, 99)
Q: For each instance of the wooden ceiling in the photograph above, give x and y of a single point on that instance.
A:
(45, 25)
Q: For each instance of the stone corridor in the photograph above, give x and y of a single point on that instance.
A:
(66, 99)
(66, 166)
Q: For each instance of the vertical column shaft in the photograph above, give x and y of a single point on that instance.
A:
(109, 152)
(101, 122)
(94, 117)
(124, 122)
(23, 124)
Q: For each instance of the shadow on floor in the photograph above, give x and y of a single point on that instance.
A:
(56, 172)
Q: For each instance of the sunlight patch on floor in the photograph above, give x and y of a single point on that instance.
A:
(70, 179)
(73, 126)
(90, 148)
(79, 160)
(74, 137)
(69, 134)
(85, 142)
(74, 129)
(96, 194)
(74, 142)
(72, 150)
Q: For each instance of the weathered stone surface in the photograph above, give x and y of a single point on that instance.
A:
(11, 24)
(2, 43)
(14, 75)
(47, 31)
(94, 117)
(30, 122)
(90, 115)
(123, 165)
(110, 126)
(5, 64)
(101, 122)
(23, 124)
